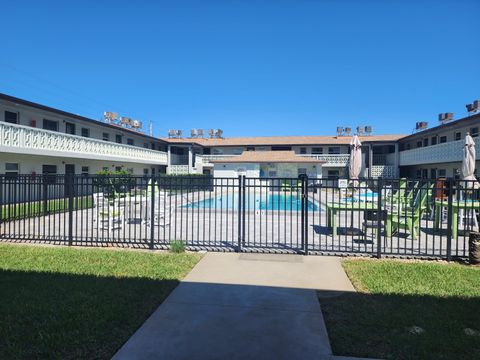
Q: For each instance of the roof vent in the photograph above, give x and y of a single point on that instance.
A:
(348, 131)
(445, 117)
(368, 130)
(339, 131)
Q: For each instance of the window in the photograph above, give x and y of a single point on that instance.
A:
(419, 143)
(85, 132)
(118, 168)
(85, 170)
(11, 117)
(272, 173)
(442, 173)
(424, 173)
(49, 170)
(303, 150)
(145, 171)
(333, 173)
(425, 142)
(443, 139)
(474, 131)
(458, 136)
(433, 173)
(418, 174)
(302, 171)
(408, 146)
(106, 137)
(217, 151)
(50, 125)
(130, 142)
(334, 150)
(250, 148)
(70, 128)
(118, 139)
(11, 169)
(434, 140)
(145, 145)
(317, 150)
(237, 151)
(281, 148)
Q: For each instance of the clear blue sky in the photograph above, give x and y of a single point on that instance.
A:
(297, 67)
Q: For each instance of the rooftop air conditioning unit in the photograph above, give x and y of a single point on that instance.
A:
(179, 133)
(360, 130)
(172, 133)
(421, 125)
(445, 117)
(218, 133)
(348, 131)
(109, 116)
(200, 133)
(193, 133)
(474, 107)
(368, 130)
(211, 133)
(339, 131)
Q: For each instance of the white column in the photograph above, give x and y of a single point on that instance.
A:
(370, 160)
(169, 158)
(397, 160)
(190, 159)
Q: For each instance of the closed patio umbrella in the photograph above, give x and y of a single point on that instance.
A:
(468, 163)
(355, 163)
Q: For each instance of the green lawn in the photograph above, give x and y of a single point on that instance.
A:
(395, 296)
(69, 303)
(37, 208)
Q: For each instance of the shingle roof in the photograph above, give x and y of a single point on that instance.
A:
(268, 157)
(283, 140)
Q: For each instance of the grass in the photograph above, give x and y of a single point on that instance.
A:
(37, 208)
(177, 246)
(79, 303)
(396, 296)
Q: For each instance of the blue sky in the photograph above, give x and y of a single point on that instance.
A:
(298, 67)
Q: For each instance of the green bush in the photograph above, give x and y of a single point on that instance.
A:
(177, 246)
(114, 181)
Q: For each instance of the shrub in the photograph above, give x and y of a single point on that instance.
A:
(177, 246)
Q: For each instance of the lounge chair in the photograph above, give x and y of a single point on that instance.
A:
(107, 216)
(408, 218)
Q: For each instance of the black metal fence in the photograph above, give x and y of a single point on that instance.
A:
(376, 217)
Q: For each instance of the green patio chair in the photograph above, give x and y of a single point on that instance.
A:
(408, 218)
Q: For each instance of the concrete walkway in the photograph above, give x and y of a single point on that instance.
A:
(243, 306)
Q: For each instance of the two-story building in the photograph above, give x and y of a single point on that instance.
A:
(438, 151)
(36, 139)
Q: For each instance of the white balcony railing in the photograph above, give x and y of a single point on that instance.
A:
(178, 169)
(331, 160)
(21, 139)
(441, 153)
(206, 159)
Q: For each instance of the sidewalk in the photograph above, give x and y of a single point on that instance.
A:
(243, 306)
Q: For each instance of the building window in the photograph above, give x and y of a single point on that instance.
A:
(130, 142)
(424, 173)
(281, 148)
(118, 139)
(85, 170)
(458, 136)
(317, 150)
(334, 150)
(50, 125)
(106, 137)
(85, 132)
(442, 173)
(272, 173)
(419, 143)
(11, 117)
(443, 139)
(250, 148)
(333, 173)
(11, 169)
(433, 173)
(303, 150)
(425, 142)
(145, 145)
(237, 151)
(408, 146)
(302, 171)
(474, 131)
(434, 140)
(418, 174)
(50, 171)
(145, 171)
(70, 128)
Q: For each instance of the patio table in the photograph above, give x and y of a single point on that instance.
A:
(333, 208)
(456, 207)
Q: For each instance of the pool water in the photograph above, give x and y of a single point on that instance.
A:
(271, 201)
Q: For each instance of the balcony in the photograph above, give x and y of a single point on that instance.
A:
(441, 153)
(20, 139)
(331, 160)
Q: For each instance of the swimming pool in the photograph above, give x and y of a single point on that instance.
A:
(271, 201)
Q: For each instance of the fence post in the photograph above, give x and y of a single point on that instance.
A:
(244, 188)
(239, 219)
(69, 187)
(305, 205)
(379, 216)
(449, 217)
(152, 211)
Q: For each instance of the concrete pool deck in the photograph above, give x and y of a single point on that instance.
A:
(242, 306)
